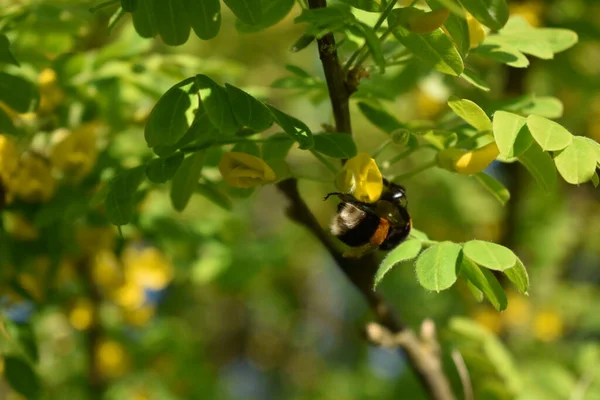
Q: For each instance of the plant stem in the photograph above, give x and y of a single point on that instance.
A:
(232, 140)
(325, 162)
(103, 4)
(414, 172)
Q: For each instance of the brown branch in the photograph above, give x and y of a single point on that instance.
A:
(423, 353)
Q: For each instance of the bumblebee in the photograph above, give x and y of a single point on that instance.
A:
(369, 226)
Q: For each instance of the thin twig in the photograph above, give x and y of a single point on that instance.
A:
(463, 372)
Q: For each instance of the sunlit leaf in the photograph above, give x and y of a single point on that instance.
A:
(404, 252)
(541, 166)
(475, 80)
(485, 281)
(491, 13)
(295, 128)
(518, 276)
(471, 113)
(511, 134)
(497, 189)
(217, 106)
(489, 255)
(502, 52)
(577, 162)
(549, 135)
(436, 267)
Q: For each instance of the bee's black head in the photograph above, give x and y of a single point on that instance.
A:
(395, 194)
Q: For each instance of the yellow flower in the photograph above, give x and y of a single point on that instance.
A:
(488, 318)
(548, 326)
(112, 359)
(476, 32)
(33, 181)
(20, 228)
(147, 267)
(130, 296)
(9, 158)
(243, 170)
(467, 162)
(139, 317)
(361, 178)
(81, 315)
(76, 153)
(529, 10)
(518, 312)
(51, 95)
(106, 272)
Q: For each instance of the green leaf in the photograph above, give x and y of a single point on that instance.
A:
(380, 118)
(366, 5)
(485, 281)
(25, 336)
(511, 134)
(185, 181)
(273, 11)
(172, 22)
(204, 17)
(6, 55)
(277, 147)
(129, 5)
(577, 162)
(144, 19)
(372, 41)
(478, 294)
(436, 267)
(404, 252)
(336, 145)
(491, 13)
(518, 276)
(542, 43)
(6, 124)
(549, 135)
(303, 42)
(471, 77)
(248, 111)
(167, 122)
(497, 189)
(471, 113)
(458, 29)
(161, 170)
(595, 180)
(21, 377)
(434, 49)
(248, 148)
(248, 11)
(212, 193)
(216, 103)
(549, 107)
(595, 146)
(18, 93)
(541, 166)
(325, 20)
(490, 255)
(502, 52)
(120, 199)
(295, 128)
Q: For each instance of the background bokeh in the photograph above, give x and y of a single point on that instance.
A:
(241, 303)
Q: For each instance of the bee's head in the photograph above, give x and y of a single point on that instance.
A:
(395, 194)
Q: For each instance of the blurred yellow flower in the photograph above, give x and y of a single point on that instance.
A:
(428, 105)
(20, 228)
(243, 170)
(51, 95)
(147, 266)
(106, 271)
(139, 317)
(491, 319)
(531, 11)
(112, 359)
(81, 314)
(548, 326)
(467, 162)
(9, 158)
(518, 312)
(76, 152)
(130, 296)
(476, 32)
(361, 177)
(33, 181)
(93, 239)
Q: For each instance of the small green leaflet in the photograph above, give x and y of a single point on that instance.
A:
(167, 122)
(595, 147)
(248, 111)
(379, 117)
(502, 52)
(434, 49)
(577, 162)
(471, 77)
(336, 145)
(18, 93)
(129, 5)
(21, 377)
(6, 55)
(471, 113)
(144, 19)
(295, 128)
(541, 166)
(161, 170)
(549, 135)
(204, 17)
(366, 5)
(491, 13)
(486, 282)
(120, 199)
(458, 29)
(6, 124)
(404, 252)
(172, 21)
(490, 255)
(511, 134)
(212, 193)
(497, 189)
(216, 103)
(185, 181)
(372, 41)
(303, 42)
(518, 276)
(273, 11)
(248, 11)
(436, 267)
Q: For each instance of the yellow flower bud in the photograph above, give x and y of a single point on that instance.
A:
(548, 326)
(75, 154)
(106, 271)
(361, 178)
(491, 319)
(426, 22)
(112, 359)
(51, 95)
(130, 296)
(81, 315)
(33, 182)
(476, 32)
(241, 170)
(140, 316)
(9, 158)
(467, 162)
(147, 267)
(531, 11)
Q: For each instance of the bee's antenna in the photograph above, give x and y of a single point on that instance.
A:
(332, 194)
